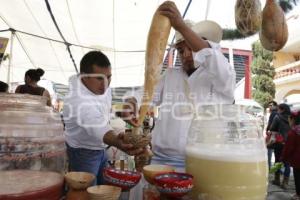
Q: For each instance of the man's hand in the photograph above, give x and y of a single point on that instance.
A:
(195, 42)
(170, 10)
(110, 138)
(128, 148)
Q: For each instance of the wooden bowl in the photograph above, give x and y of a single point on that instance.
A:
(121, 178)
(104, 192)
(79, 180)
(150, 171)
(173, 184)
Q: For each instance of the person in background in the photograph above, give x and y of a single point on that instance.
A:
(273, 107)
(58, 106)
(130, 109)
(280, 126)
(3, 87)
(273, 113)
(291, 151)
(86, 115)
(32, 76)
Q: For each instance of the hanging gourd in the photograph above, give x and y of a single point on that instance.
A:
(156, 46)
(274, 32)
(248, 16)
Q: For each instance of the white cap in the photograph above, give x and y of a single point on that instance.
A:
(207, 29)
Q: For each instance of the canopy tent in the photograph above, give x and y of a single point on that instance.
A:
(117, 27)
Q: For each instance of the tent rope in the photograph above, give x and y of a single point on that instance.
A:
(114, 39)
(45, 34)
(183, 16)
(23, 47)
(73, 25)
(76, 45)
(71, 44)
(61, 35)
(207, 9)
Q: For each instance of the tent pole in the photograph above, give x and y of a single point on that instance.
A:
(207, 8)
(184, 13)
(231, 54)
(10, 57)
(173, 39)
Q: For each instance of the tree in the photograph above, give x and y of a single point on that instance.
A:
(287, 5)
(264, 87)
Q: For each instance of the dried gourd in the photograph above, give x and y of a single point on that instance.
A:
(248, 16)
(274, 32)
(156, 45)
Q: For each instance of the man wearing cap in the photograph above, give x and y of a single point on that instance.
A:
(205, 77)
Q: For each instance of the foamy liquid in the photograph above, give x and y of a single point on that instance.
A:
(229, 172)
(228, 152)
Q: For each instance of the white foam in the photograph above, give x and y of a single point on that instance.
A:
(228, 153)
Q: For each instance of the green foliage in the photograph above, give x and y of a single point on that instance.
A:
(232, 34)
(287, 5)
(261, 66)
(258, 50)
(264, 83)
(263, 74)
(262, 97)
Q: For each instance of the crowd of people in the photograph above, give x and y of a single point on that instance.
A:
(283, 138)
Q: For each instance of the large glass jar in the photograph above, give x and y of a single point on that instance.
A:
(32, 148)
(226, 154)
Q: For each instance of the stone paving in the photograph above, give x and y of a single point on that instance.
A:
(277, 193)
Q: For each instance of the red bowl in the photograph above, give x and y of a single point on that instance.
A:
(174, 184)
(123, 179)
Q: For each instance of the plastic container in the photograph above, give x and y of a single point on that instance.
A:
(32, 148)
(226, 154)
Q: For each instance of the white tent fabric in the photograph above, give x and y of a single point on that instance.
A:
(117, 27)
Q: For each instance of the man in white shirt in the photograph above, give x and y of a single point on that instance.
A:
(86, 115)
(206, 77)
